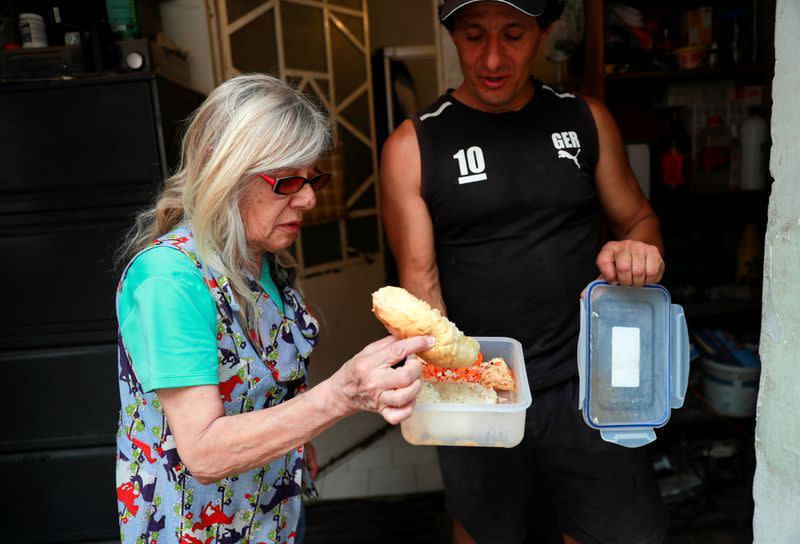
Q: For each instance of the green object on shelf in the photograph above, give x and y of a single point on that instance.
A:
(123, 17)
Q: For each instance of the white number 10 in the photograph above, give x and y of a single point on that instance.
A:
(471, 165)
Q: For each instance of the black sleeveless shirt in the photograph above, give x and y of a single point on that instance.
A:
(513, 204)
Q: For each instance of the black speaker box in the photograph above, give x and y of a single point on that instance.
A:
(133, 55)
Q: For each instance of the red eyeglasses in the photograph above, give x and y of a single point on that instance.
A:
(292, 184)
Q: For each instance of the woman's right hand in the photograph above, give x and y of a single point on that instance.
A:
(368, 381)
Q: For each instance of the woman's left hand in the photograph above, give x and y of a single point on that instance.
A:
(311, 460)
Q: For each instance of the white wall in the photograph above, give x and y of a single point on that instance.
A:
(776, 489)
(412, 25)
(185, 22)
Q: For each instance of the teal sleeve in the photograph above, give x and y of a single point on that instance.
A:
(168, 321)
(268, 284)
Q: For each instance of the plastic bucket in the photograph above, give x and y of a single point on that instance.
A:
(32, 30)
(731, 390)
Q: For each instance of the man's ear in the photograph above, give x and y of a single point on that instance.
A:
(546, 31)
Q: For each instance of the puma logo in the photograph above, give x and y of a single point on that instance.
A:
(567, 155)
(567, 140)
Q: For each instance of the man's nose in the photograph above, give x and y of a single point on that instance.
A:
(492, 55)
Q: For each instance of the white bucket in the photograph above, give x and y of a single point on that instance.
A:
(731, 390)
(32, 30)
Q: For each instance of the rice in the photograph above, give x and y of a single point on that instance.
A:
(457, 393)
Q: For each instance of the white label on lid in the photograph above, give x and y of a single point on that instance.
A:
(624, 357)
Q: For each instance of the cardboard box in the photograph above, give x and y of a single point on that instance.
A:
(169, 61)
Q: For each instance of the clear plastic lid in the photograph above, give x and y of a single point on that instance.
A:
(631, 360)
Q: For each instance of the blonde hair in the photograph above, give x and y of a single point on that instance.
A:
(251, 123)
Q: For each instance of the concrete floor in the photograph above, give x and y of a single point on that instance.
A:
(711, 536)
(421, 520)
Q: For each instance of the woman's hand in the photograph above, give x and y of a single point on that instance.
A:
(368, 382)
(311, 460)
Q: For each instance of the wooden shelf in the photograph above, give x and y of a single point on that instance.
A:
(742, 72)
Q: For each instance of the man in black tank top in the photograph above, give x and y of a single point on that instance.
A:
(490, 199)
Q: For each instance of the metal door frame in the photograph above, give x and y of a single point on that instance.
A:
(224, 68)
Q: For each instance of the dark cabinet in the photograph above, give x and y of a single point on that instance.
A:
(60, 496)
(59, 398)
(78, 159)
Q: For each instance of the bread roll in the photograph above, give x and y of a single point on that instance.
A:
(405, 315)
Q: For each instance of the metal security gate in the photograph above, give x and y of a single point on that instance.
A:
(321, 47)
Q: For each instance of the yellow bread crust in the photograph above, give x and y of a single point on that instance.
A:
(405, 315)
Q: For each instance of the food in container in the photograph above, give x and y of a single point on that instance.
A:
(456, 392)
(473, 385)
(465, 400)
(495, 424)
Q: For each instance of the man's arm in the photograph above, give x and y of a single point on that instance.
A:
(406, 217)
(636, 257)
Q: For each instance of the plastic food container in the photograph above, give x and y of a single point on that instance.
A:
(492, 425)
(633, 361)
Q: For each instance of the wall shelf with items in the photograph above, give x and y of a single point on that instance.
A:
(642, 41)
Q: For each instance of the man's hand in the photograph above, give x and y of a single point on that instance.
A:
(630, 263)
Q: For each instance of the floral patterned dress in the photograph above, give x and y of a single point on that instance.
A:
(158, 499)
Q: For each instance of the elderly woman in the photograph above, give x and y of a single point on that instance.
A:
(214, 340)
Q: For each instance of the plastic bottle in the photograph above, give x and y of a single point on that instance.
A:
(713, 55)
(674, 156)
(124, 19)
(715, 152)
(736, 42)
(735, 177)
(755, 151)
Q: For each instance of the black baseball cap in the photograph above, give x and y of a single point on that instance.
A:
(534, 8)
